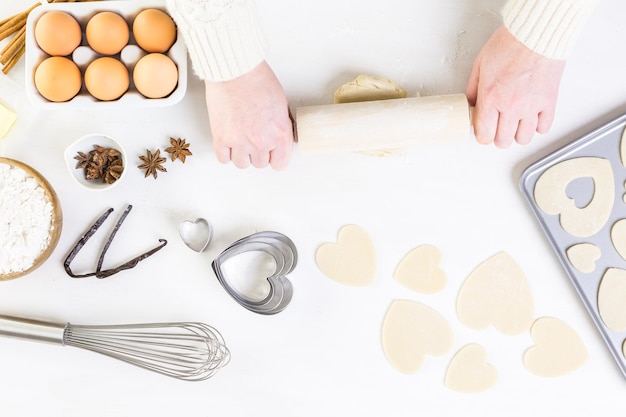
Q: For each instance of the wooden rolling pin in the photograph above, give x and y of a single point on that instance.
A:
(382, 125)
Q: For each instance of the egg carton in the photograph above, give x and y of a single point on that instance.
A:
(83, 55)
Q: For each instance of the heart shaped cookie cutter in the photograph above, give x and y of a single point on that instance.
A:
(197, 234)
(285, 256)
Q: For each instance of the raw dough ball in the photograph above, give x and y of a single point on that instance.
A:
(368, 88)
(410, 332)
(558, 349)
(583, 256)
(350, 261)
(551, 197)
(612, 299)
(420, 270)
(496, 293)
(469, 370)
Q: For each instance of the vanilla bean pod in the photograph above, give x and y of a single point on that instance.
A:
(99, 273)
(81, 242)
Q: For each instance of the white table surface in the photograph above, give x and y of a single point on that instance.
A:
(322, 355)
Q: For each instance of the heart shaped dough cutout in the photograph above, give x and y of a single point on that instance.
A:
(411, 331)
(618, 237)
(551, 196)
(558, 349)
(350, 261)
(496, 293)
(612, 299)
(469, 370)
(583, 256)
(622, 148)
(420, 270)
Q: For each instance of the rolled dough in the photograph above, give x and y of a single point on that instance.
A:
(618, 237)
(623, 148)
(496, 293)
(558, 349)
(351, 260)
(368, 88)
(420, 270)
(612, 299)
(411, 331)
(469, 370)
(550, 194)
(583, 256)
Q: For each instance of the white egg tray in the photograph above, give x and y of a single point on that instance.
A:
(83, 55)
(607, 144)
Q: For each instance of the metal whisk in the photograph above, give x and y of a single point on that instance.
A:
(189, 351)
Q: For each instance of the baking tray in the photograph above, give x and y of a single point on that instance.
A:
(605, 142)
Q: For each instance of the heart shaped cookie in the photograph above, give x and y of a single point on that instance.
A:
(618, 237)
(420, 270)
(612, 299)
(551, 194)
(583, 256)
(622, 148)
(411, 331)
(196, 234)
(469, 370)
(496, 293)
(558, 349)
(350, 261)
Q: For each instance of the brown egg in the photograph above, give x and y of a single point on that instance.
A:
(57, 79)
(155, 75)
(154, 30)
(107, 33)
(57, 33)
(106, 78)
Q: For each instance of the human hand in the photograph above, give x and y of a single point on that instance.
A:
(250, 121)
(514, 91)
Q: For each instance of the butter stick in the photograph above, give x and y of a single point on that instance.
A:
(7, 119)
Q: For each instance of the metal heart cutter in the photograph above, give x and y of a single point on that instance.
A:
(197, 234)
(285, 256)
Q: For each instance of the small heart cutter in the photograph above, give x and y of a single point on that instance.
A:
(197, 234)
(279, 247)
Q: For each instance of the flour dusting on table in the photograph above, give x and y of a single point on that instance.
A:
(25, 219)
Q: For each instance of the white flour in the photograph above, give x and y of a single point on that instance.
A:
(25, 219)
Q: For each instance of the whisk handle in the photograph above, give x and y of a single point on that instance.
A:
(40, 331)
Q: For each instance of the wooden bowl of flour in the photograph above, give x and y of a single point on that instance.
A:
(31, 219)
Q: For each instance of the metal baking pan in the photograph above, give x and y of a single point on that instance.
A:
(604, 142)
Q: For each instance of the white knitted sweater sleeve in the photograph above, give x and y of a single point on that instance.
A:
(548, 27)
(223, 37)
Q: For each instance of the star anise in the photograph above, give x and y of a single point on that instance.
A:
(179, 149)
(101, 163)
(113, 172)
(83, 160)
(152, 163)
(93, 171)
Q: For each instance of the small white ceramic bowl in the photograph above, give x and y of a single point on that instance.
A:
(86, 144)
